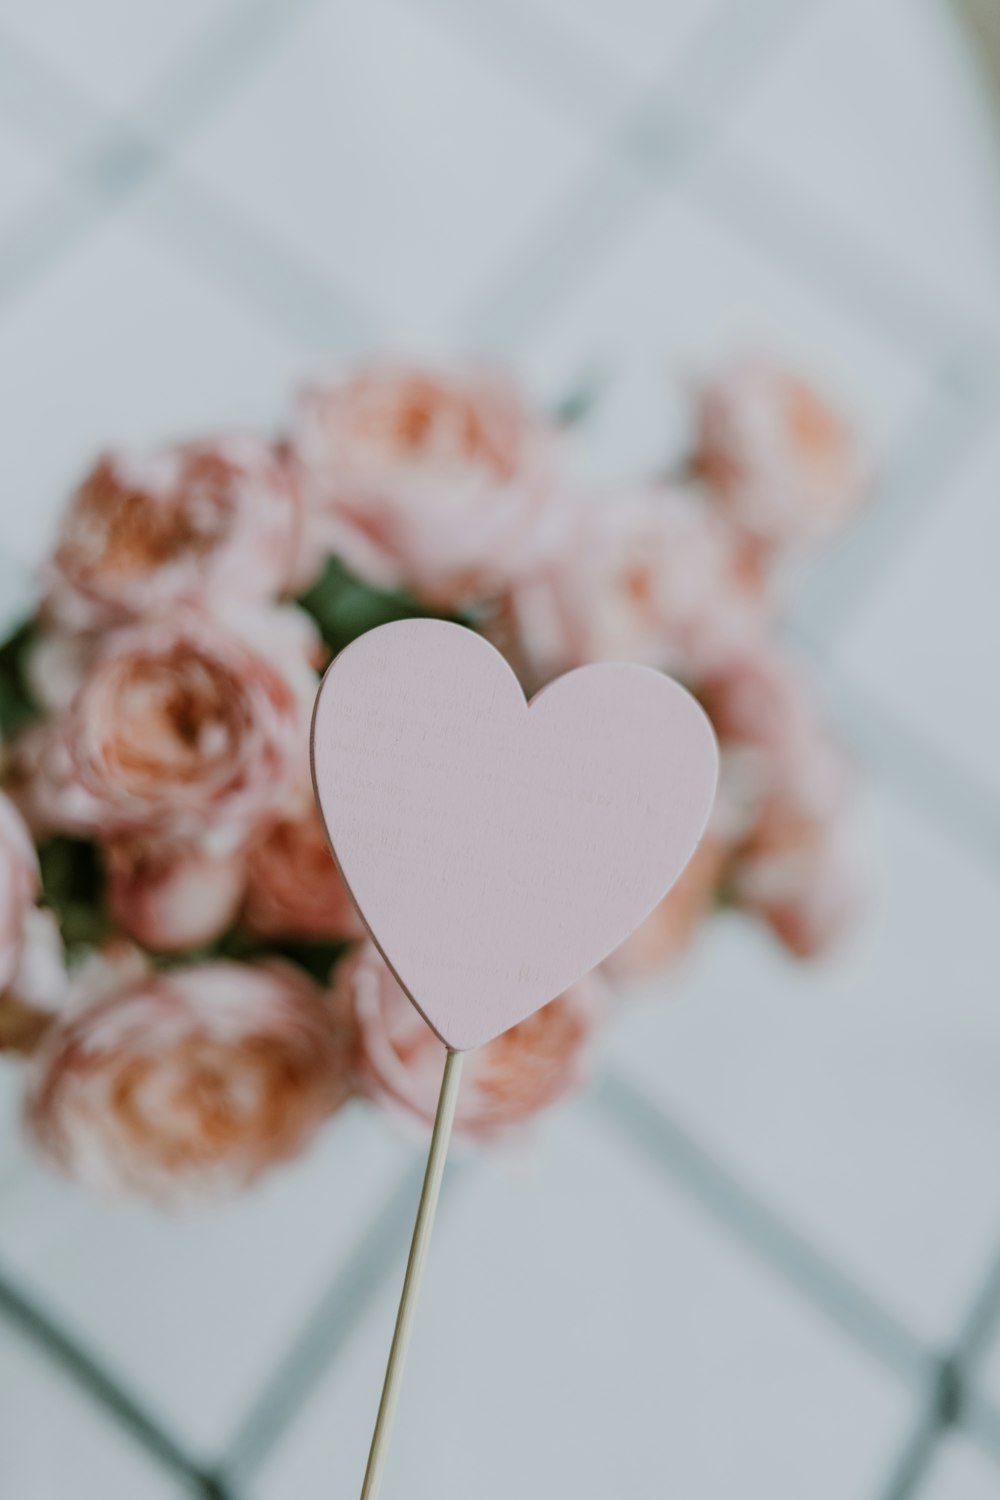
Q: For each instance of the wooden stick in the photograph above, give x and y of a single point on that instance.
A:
(414, 1273)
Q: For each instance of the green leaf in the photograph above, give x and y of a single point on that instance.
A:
(17, 703)
(317, 956)
(72, 885)
(345, 607)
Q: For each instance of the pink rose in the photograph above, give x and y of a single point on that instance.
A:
(445, 485)
(504, 1083)
(294, 888)
(187, 1084)
(651, 576)
(787, 793)
(805, 876)
(190, 523)
(186, 728)
(169, 897)
(778, 455)
(668, 932)
(773, 740)
(19, 886)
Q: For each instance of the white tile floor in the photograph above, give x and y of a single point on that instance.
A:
(737, 1282)
(218, 1297)
(56, 1443)
(604, 1271)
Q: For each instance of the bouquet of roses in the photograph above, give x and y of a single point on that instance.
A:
(181, 969)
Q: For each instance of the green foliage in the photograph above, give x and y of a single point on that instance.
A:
(72, 879)
(344, 607)
(317, 956)
(17, 705)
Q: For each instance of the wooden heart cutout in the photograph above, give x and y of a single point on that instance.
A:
(497, 851)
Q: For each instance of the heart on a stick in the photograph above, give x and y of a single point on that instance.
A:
(498, 850)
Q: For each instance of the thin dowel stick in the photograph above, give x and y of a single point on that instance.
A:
(414, 1273)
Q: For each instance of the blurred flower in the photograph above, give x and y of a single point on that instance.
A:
(667, 933)
(651, 576)
(180, 727)
(787, 789)
(504, 1083)
(188, 1084)
(773, 740)
(782, 460)
(446, 485)
(39, 986)
(19, 887)
(172, 897)
(294, 888)
(804, 876)
(193, 523)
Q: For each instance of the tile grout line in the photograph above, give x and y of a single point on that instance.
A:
(953, 1404)
(949, 796)
(970, 402)
(680, 133)
(776, 1244)
(950, 1401)
(946, 428)
(124, 157)
(334, 1318)
(595, 210)
(90, 1376)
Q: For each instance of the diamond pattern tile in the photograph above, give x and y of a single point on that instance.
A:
(58, 1442)
(857, 1099)
(194, 1313)
(584, 1332)
(878, 117)
(391, 159)
(675, 295)
(175, 356)
(925, 642)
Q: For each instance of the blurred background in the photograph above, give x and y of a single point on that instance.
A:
(762, 1255)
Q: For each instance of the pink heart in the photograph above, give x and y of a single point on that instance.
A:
(497, 851)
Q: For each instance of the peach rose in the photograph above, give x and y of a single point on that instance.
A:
(804, 875)
(400, 1060)
(294, 888)
(651, 576)
(187, 1084)
(19, 886)
(445, 485)
(800, 865)
(169, 897)
(773, 740)
(668, 932)
(778, 455)
(187, 729)
(191, 523)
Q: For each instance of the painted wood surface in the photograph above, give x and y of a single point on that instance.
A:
(498, 851)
